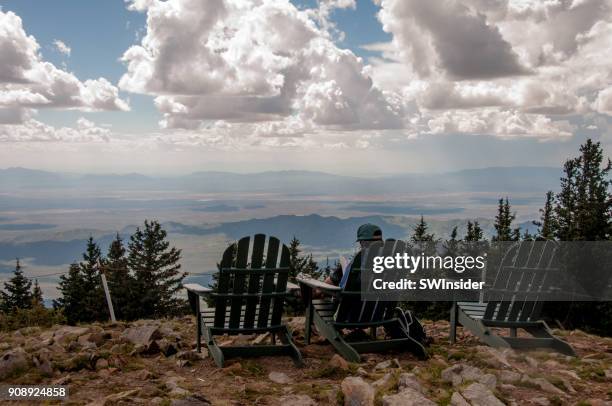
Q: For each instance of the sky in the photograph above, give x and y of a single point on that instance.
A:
(343, 86)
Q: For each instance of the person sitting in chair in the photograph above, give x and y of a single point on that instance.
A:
(366, 234)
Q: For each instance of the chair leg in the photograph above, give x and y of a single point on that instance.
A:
(335, 339)
(559, 345)
(285, 337)
(213, 348)
(453, 324)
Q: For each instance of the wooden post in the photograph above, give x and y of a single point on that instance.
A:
(106, 291)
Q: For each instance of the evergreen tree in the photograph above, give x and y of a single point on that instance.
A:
(503, 223)
(120, 282)
(18, 294)
(547, 225)
(71, 288)
(37, 296)
(565, 208)
(474, 232)
(593, 198)
(157, 273)
(301, 263)
(83, 297)
(420, 233)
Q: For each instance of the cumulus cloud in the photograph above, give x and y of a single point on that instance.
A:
(33, 131)
(251, 62)
(62, 47)
(29, 82)
(449, 36)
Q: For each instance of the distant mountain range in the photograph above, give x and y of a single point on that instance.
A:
(497, 179)
(320, 232)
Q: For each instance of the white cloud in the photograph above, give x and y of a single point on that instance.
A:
(449, 37)
(29, 82)
(62, 47)
(251, 62)
(603, 103)
(33, 131)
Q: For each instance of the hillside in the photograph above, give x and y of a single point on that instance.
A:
(153, 362)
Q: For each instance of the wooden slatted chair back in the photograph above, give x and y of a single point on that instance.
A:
(519, 284)
(252, 284)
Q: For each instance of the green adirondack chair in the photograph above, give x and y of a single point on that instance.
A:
(518, 286)
(249, 299)
(343, 310)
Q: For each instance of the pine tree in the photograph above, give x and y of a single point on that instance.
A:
(474, 232)
(18, 293)
(37, 296)
(593, 198)
(301, 263)
(420, 232)
(157, 273)
(565, 208)
(547, 225)
(83, 297)
(121, 283)
(71, 288)
(503, 223)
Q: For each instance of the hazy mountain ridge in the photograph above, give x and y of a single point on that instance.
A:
(502, 179)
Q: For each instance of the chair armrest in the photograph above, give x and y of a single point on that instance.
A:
(197, 289)
(317, 284)
(292, 286)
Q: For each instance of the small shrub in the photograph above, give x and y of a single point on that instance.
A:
(37, 316)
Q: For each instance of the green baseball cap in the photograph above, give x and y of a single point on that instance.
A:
(369, 232)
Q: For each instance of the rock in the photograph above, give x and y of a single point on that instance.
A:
(509, 376)
(573, 374)
(409, 380)
(608, 373)
(532, 362)
(542, 384)
(261, 338)
(101, 364)
(479, 395)
(493, 357)
(144, 375)
(390, 363)
(233, 369)
(458, 400)
(193, 400)
(460, 373)
(297, 400)
(540, 401)
(182, 363)
(568, 386)
(191, 355)
(66, 334)
(384, 383)
(44, 365)
(13, 362)
(407, 397)
(279, 377)
(172, 383)
(166, 347)
(507, 387)
(362, 372)
(77, 362)
(114, 398)
(142, 335)
(338, 362)
(64, 380)
(357, 392)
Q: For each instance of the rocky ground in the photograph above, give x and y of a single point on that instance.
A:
(153, 362)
